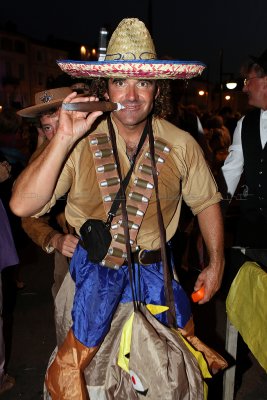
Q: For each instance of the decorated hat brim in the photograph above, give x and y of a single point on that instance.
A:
(35, 111)
(147, 69)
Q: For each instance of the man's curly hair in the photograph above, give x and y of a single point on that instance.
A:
(162, 104)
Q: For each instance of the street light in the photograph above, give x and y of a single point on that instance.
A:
(231, 85)
(83, 52)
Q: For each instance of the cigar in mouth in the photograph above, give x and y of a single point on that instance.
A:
(91, 106)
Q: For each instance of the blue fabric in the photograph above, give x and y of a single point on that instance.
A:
(99, 290)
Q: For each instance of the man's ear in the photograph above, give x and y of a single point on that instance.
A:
(106, 96)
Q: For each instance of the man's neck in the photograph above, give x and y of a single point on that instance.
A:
(131, 134)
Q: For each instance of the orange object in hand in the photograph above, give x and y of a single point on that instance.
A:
(198, 295)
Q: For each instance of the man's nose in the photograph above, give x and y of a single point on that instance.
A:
(132, 93)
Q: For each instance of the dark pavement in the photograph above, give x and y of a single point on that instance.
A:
(33, 336)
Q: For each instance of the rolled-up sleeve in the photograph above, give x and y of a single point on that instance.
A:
(199, 188)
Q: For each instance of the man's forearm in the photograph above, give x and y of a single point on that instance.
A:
(211, 227)
(35, 185)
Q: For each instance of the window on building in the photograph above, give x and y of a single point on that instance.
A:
(6, 44)
(21, 72)
(8, 68)
(39, 56)
(20, 47)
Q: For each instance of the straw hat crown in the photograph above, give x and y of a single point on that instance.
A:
(131, 41)
(131, 54)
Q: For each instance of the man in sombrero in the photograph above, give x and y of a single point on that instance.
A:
(97, 151)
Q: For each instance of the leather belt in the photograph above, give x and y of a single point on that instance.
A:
(146, 257)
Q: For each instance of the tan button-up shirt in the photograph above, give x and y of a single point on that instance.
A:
(185, 174)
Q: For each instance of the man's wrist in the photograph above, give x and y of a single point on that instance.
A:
(53, 243)
(63, 139)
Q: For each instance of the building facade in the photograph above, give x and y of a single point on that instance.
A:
(26, 67)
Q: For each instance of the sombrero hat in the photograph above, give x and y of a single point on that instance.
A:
(44, 101)
(131, 54)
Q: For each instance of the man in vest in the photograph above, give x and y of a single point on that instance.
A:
(245, 170)
(92, 166)
(248, 156)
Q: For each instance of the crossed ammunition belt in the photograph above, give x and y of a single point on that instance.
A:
(138, 194)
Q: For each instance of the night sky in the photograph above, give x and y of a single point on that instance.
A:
(189, 30)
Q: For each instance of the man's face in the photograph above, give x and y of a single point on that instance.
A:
(256, 89)
(49, 123)
(137, 96)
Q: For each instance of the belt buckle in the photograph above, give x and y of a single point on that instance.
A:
(141, 252)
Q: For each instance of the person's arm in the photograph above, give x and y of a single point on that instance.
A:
(211, 227)
(64, 243)
(39, 230)
(35, 185)
(234, 162)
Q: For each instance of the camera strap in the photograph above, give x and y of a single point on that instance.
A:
(121, 192)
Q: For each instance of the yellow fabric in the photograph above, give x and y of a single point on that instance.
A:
(156, 309)
(125, 344)
(185, 174)
(247, 311)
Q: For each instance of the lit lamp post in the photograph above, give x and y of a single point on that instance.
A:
(93, 53)
(204, 94)
(231, 85)
(83, 52)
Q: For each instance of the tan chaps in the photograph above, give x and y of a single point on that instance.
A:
(64, 378)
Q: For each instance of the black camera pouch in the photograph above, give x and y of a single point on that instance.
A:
(96, 239)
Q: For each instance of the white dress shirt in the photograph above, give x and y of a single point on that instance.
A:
(234, 163)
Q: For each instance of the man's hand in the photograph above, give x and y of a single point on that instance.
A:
(74, 124)
(65, 244)
(210, 278)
